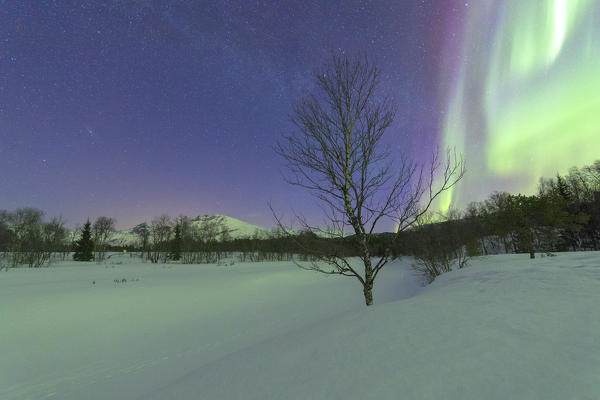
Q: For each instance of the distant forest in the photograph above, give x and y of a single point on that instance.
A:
(564, 215)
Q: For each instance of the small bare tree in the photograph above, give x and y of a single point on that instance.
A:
(439, 244)
(337, 154)
(5, 239)
(102, 230)
(54, 234)
(160, 231)
(592, 175)
(143, 231)
(210, 230)
(34, 240)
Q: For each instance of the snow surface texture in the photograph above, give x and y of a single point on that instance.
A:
(505, 328)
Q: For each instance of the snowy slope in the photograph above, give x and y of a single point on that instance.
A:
(507, 327)
(238, 228)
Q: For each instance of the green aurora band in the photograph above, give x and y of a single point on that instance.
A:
(523, 94)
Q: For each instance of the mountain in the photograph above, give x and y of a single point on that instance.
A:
(237, 229)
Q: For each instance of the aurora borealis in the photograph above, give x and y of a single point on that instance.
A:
(135, 108)
(523, 98)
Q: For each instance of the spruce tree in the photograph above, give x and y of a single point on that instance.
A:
(84, 247)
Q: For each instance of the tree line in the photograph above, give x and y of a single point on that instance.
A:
(209, 240)
(28, 238)
(564, 215)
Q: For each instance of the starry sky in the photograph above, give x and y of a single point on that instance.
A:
(135, 108)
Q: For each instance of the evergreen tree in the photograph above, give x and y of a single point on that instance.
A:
(175, 253)
(84, 247)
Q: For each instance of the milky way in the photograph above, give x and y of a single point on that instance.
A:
(523, 93)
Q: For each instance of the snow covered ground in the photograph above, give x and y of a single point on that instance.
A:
(505, 328)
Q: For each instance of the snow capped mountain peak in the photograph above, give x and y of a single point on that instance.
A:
(237, 228)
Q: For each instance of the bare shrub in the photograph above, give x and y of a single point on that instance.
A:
(441, 245)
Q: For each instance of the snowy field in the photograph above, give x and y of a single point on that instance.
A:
(505, 328)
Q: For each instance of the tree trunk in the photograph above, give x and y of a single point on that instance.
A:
(368, 292)
(513, 241)
(531, 254)
(485, 251)
(506, 245)
(368, 285)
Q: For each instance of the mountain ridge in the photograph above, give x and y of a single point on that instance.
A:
(236, 228)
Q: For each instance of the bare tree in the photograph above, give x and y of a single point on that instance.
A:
(188, 240)
(439, 243)
(54, 235)
(209, 230)
(143, 231)
(160, 231)
(27, 230)
(592, 174)
(102, 230)
(33, 240)
(337, 154)
(6, 238)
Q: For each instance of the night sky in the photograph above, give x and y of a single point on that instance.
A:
(135, 108)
